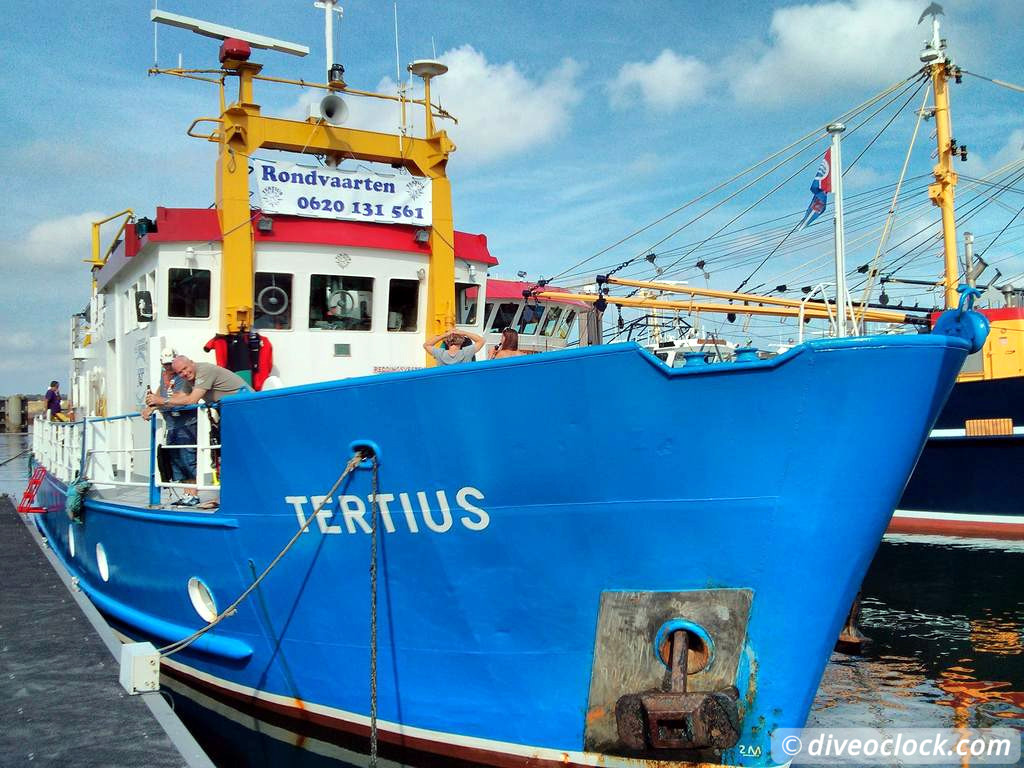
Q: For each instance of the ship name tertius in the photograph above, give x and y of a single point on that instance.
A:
(351, 514)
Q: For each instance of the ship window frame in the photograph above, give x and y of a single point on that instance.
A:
(520, 321)
(462, 288)
(363, 326)
(550, 323)
(289, 293)
(171, 285)
(414, 305)
(566, 322)
(494, 326)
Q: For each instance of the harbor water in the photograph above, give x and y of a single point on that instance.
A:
(945, 618)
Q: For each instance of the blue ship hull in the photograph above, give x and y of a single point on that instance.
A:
(589, 476)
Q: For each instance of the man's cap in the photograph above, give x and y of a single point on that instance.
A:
(167, 356)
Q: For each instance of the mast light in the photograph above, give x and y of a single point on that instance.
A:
(235, 50)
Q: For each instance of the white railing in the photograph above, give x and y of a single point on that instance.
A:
(57, 445)
(120, 451)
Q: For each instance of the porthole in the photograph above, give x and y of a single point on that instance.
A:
(71, 540)
(202, 599)
(101, 562)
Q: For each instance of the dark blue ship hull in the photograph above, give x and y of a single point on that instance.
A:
(969, 485)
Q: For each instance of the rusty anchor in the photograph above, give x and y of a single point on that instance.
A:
(678, 719)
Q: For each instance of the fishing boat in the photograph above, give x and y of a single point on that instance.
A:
(965, 481)
(493, 563)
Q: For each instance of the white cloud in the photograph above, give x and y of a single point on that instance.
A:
(500, 110)
(826, 46)
(64, 241)
(862, 177)
(645, 164)
(978, 165)
(48, 282)
(663, 84)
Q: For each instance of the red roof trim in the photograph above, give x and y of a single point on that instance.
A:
(993, 315)
(498, 289)
(192, 225)
(1005, 313)
(175, 225)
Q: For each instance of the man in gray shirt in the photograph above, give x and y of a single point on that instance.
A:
(209, 383)
(454, 352)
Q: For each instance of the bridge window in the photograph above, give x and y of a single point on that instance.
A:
(467, 297)
(530, 319)
(272, 301)
(403, 305)
(188, 292)
(503, 317)
(551, 321)
(565, 326)
(340, 303)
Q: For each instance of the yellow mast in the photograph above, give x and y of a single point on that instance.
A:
(941, 191)
(243, 131)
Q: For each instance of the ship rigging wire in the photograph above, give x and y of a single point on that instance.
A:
(1000, 83)
(813, 135)
(809, 142)
(800, 170)
(891, 216)
(746, 246)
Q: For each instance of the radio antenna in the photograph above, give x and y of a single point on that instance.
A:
(330, 8)
(398, 60)
(156, 60)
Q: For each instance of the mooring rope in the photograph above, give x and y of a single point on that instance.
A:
(15, 456)
(179, 645)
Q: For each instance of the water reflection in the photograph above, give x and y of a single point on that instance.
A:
(14, 474)
(946, 619)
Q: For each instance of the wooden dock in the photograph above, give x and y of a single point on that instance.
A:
(60, 700)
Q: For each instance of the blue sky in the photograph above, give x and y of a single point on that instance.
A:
(579, 124)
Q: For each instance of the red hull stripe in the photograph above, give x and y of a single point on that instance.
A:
(978, 529)
(426, 753)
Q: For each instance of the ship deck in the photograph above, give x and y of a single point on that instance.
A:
(60, 699)
(134, 496)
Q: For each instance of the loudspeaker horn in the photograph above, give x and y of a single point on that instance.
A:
(334, 109)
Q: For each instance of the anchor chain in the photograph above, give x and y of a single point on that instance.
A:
(373, 620)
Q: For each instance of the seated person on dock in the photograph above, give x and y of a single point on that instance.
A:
(508, 346)
(456, 350)
(181, 430)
